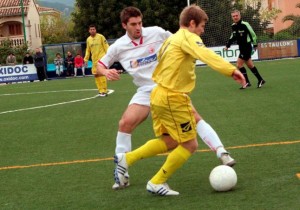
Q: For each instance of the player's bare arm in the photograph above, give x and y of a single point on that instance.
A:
(238, 76)
(110, 74)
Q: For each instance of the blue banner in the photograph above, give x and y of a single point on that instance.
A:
(298, 43)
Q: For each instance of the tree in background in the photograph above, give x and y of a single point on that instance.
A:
(292, 32)
(56, 30)
(165, 13)
(6, 48)
(106, 15)
(218, 27)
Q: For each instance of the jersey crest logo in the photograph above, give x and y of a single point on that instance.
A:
(241, 33)
(200, 44)
(151, 50)
(185, 127)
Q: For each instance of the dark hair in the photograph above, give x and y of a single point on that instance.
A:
(129, 12)
(192, 12)
(57, 54)
(92, 26)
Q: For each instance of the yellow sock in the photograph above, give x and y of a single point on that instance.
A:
(149, 149)
(101, 84)
(174, 161)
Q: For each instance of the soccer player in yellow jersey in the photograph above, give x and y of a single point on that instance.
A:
(173, 120)
(96, 45)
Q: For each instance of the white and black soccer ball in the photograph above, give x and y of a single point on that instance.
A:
(223, 178)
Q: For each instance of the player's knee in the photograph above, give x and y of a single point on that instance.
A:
(197, 116)
(191, 145)
(194, 146)
(170, 142)
(126, 124)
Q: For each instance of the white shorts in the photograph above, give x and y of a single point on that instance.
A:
(142, 96)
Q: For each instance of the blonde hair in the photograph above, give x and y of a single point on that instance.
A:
(192, 12)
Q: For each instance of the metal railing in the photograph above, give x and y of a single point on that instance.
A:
(14, 40)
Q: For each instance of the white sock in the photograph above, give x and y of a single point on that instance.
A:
(75, 71)
(210, 137)
(221, 150)
(123, 142)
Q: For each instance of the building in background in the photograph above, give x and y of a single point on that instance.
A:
(11, 23)
(48, 14)
(287, 7)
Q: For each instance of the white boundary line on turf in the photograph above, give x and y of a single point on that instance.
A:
(42, 92)
(51, 105)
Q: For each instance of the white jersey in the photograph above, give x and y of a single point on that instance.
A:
(138, 58)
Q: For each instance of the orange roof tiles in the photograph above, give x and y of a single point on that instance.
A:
(12, 7)
(13, 3)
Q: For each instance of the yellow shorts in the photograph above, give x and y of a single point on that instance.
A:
(172, 114)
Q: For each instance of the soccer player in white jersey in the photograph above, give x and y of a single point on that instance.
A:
(137, 52)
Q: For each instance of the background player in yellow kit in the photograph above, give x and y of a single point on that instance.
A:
(173, 120)
(96, 45)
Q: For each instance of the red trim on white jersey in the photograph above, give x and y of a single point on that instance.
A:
(102, 63)
(136, 44)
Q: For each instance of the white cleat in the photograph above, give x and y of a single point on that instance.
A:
(160, 189)
(227, 160)
(117, 186)
(120, 170)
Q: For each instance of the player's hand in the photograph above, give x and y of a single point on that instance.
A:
(226, 48)
(112, 74)
(239, 77)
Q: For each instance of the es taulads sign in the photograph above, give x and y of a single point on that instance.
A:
(17, 73)
(278, 49)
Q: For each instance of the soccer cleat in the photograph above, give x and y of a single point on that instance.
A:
(117, 186)
(160, 189)
(120, 170)
(245, 86)
(227, 160)
(261, 83)
(102, 94)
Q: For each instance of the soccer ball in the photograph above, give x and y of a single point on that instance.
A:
(223, 178)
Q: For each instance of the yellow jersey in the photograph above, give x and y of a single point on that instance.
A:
(96, 45)
(176, 61)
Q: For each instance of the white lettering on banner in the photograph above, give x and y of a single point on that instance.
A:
(277, 44)
(281, 44)
(10, 79)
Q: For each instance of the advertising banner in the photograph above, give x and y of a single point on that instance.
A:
(230, 55)
(17, 73)
(278, 49)
(298, 47)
